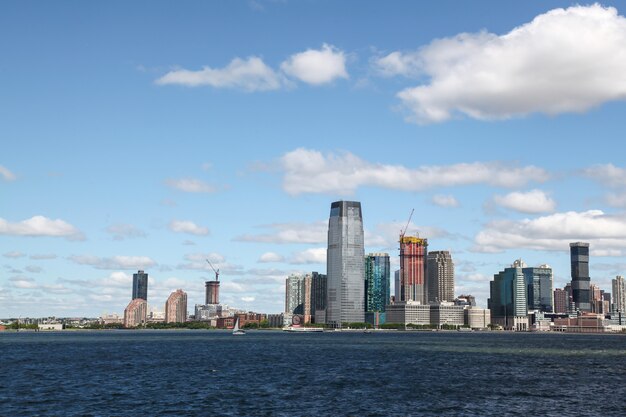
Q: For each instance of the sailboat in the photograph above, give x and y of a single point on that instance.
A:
(236, 330)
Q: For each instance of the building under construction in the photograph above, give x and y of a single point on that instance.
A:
(413, 254)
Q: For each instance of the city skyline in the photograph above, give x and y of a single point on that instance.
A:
(137, 141)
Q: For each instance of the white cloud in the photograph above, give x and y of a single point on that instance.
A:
(309, 256)
(442, 200)
(309, 171)
(249, 74)
(248, 299)
(41, 226)
(186, 226)
(607, 174)
(122, 231)
(271, 257)
(34, 269)
(566, 60)
(398, 63)
(554, 232)
(6, 174)
(13, 254)
(190, 185)
(114, 262)
(43, 256)
(290, 233)
(317, 66)
(534, 201)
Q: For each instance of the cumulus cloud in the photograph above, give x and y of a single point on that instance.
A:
(442, 200)
(317, 66)
(310, 171)
(290, 233)
(114, 262)
(250, 74)
(6, 174)
(190, 185)
(566, 60)
(122, 231)
(607, 174)
(40, 226)
(13, 254)
(534, 201)
(271, 257)
(309, 256)
(554, 232)
(186, 226)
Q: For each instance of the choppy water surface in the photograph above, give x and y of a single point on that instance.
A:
(274, 373)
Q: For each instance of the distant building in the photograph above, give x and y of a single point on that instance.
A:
(176, 307)
(440, 273)
(377, 287)
(319, 283)
(539, 288)
(294, 294)
(465, 300)
(212, 292)
(477, 318)
(345, 266)
(410, 312)
(446, 313)
(135, 313)
(579, 255)
(111, 319)
(50, 326)
(619, 294)
(396, 285)
(507, 298)
(140, 285)
(562, 301)
(206, 312)
(413, 253)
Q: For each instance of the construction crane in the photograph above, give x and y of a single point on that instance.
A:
(403, 232)
(217, 272)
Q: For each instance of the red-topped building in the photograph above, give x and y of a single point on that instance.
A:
(413, 253)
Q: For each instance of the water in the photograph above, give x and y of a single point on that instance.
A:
(171, 373)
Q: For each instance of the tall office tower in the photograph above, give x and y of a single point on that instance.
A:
(396, 286)
(176, 307)
(318, 294)
(507, 298)
(579, 255)
(377, 287)
(413, 252)
(294, 294)
(212, 292)
(140, 285)
(561, 301)
(345, 266)
(619, 294)
(540, 294)
(440, 282)
(136, 312)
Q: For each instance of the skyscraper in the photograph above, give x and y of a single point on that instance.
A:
(440, 282)
(507, 298)
(561, 301)
(579, 255)
(396, 285)
(140, 285)
(345, 266)
(318, 294)
(176, 307)
(413, 252)
(377, 287)
(212, 292)
(540, 295)
(619, 294)
(136, 312)
(294, 294)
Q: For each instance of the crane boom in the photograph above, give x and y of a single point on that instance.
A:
(217, 272)
(403, 231)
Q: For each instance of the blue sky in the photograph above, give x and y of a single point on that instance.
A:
(153, 135)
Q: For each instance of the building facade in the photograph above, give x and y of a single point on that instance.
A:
(345, 266)
(318, 292)
(410, 312)
(562, 301)
(618, 294)
(212, 292)
(176, 307)
(135, 314)
(540, 294)
(377, 287)
(140, 285)
(579, 256)
(507, 298)
(294, 294)
(413, 253)
(440, 276)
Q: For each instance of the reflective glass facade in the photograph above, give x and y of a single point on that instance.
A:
(377, 282)
(579, 255)
(140, 285)
(507, 297)
(345, 266)
(539, 288)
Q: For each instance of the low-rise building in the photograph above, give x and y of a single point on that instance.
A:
(410, 312)
(446, 313)
(50, 326)
(477, 318)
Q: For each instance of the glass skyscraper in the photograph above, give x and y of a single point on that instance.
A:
(377, 286)
(539, 288)
(579, 255)
(140, 285)
(345, 266)
(507, 298)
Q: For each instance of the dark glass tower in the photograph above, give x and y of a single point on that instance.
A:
(345, 266)
(377, 286)
(140, 285)
(579, 255)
